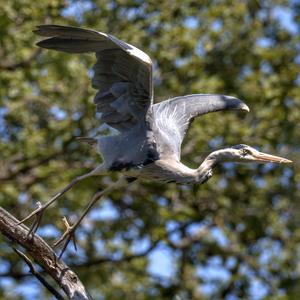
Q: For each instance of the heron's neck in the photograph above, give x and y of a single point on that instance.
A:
(204, 172)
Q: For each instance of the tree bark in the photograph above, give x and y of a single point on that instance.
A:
(44, 256)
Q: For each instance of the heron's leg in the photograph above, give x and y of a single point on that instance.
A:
(70, 230)
(38, 213)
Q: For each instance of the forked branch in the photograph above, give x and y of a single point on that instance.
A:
(44, 256)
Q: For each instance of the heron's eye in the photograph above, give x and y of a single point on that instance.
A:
(246, 152)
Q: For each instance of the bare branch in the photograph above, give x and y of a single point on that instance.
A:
(44, 256)
(40, 278)
(125, 258)
(91, 262)
(22, 64)
(33, 163)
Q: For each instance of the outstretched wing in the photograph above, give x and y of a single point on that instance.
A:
(122, 73)
(173, 117)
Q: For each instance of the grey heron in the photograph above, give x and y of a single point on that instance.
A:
(148, 143)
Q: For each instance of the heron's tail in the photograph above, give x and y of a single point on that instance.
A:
(90, 141)
(72, 39)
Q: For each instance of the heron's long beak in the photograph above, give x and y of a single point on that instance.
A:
(264, 158)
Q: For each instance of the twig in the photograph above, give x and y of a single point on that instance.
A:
(92, 262)
(21, 64)
(125, 258)
(39, 277)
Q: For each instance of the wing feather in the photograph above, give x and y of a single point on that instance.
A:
(173, 117)
(122, 72)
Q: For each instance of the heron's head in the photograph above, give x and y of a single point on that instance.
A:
(245, 153)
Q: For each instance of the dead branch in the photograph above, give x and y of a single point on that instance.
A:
(44, 256)
(39, 277)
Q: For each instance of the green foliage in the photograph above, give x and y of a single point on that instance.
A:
(244, 221)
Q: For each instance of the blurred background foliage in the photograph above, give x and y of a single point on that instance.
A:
(237, 236)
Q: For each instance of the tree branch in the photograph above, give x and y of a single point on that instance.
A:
(125, 258)
(21, 64)
(33, 163)
(39, 277)
(90, 263)
(44, 256)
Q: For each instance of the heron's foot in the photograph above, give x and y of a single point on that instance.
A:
(37, 214)
(69, 235)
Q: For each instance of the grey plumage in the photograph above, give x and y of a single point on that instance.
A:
(150, 135)
(123, 78)
(173, 117)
